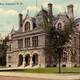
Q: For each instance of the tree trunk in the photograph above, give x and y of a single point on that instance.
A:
(59, 63)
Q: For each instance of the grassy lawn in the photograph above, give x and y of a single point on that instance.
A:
(70, 70)
(46, 70)
(2, 67)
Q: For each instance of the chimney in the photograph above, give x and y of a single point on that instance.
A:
(50, 9)
(20, 21)
(70, 11)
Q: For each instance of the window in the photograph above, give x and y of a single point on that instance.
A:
(59, 27)
(34, 25)
(9, 59)
(27, 26)
(35, 41)
(27, 42)
(20, 43)
(9, 48)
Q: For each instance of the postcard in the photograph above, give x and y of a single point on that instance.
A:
(39, 39)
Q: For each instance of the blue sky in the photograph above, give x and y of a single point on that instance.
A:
(9, 10)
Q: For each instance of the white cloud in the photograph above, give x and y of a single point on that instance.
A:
(12, 12)
(31, 9)
(8, 12)
(3, 34)
(45, 2)
(62, 7)
(8, 0)
(59, 7)
(56, 6)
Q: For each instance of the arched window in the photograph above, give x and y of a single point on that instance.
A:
(27, 60)
(59, 27)
(27, 26)
(20, 62)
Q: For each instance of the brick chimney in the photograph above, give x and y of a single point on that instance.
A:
(50, 8)
(20, 21)
(70, 11)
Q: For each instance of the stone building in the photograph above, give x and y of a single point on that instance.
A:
(26, 45)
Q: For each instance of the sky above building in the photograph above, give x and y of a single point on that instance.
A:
(9, 10)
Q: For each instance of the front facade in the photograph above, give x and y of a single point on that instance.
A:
(26, 45)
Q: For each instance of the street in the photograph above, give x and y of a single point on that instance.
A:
(37, 76)
(19, 78)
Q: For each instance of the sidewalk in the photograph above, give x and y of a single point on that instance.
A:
(43, 76)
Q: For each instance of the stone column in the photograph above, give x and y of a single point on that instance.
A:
(39, 61)
(30, 42)
(31, 62)
(23, 42)
(69, 59)
(23, 61)
(42, 59)
(7, 61)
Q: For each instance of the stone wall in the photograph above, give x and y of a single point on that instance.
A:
(14, 61)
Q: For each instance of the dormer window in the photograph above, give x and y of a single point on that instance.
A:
(59, 26)
(34, 25)
(27, 26)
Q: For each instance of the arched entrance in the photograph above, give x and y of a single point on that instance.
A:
(35, 59)
(20, 60)
(27, 60)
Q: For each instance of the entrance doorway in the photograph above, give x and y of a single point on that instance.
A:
(20, 60)
(35, 59)
(27, 60)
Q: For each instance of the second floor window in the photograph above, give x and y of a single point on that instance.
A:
(10, 47)
(35, 41)
(27, 42)
(20, 43)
